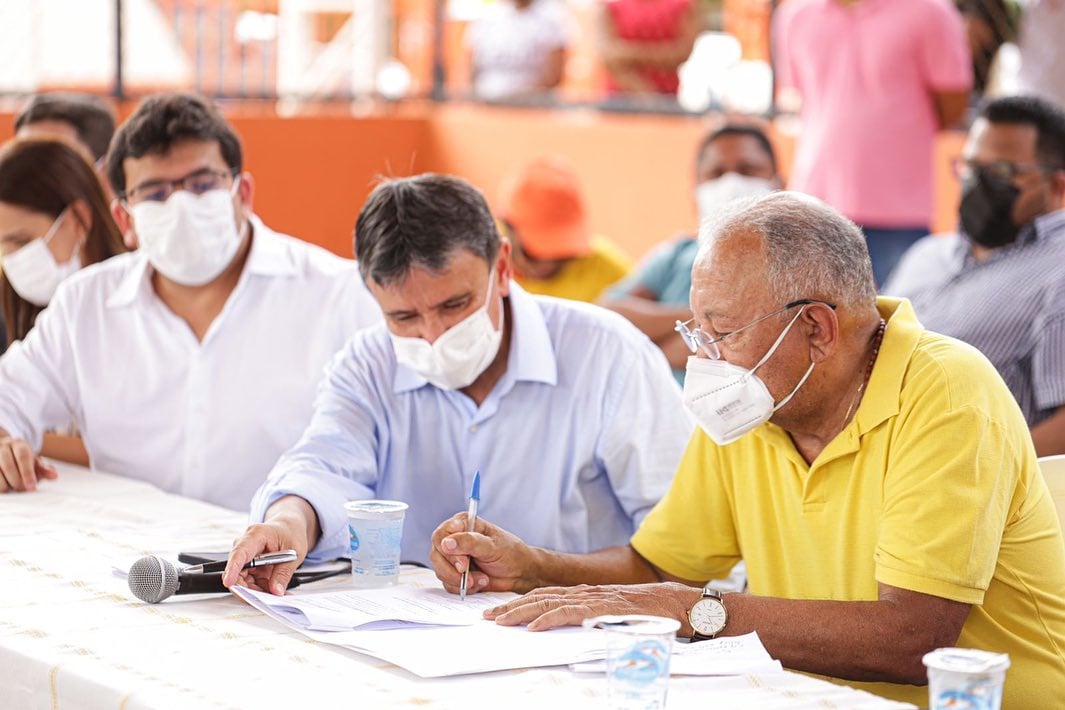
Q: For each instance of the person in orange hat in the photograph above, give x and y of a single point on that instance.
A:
(542, 211)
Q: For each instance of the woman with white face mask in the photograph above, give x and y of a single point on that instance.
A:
(53, 221)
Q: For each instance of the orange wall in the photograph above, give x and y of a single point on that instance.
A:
(313, 173)
(636, 170)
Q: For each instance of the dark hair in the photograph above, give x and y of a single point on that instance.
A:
(162, 120)
(46, 176)
(737, 129)
(421, 221)
(91, 118)
(1001, 18)
(1047, 117)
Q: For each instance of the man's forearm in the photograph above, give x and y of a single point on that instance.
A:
(861, 641)
(613, 565)
(1049, 434)
(656, 320)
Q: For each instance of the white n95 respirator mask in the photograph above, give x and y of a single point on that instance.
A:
(190, 239)
(460, 354)
(712, 195)
(727, 400)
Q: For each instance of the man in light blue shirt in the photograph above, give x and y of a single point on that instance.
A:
(568, 411)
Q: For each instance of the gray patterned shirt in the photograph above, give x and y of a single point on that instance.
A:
(1011, 306)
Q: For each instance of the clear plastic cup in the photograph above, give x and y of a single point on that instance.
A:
(637, 661)
(965, 678)
(375, 531)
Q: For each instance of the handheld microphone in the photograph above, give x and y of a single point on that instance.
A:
(153, 579)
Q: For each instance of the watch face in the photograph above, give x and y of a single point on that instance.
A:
(708, 616)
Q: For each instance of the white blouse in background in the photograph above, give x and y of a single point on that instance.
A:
(510, 47)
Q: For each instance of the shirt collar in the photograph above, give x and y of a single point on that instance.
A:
(880, 401)
(532, 354)
(1049, 225)
(132, 284)
(863, 6)
(1041, 229)
(269, 256)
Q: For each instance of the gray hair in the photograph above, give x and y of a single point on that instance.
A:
(812, 251)
(421, 221)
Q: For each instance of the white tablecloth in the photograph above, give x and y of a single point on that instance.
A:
(72, 636)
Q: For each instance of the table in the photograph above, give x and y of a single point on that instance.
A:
(72, 636)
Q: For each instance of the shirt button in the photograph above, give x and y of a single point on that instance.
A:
(473, 429)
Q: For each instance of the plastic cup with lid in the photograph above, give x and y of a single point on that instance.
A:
(965, 678)
(375, 533)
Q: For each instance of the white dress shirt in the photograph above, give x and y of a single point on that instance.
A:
(575, 444)
(205, 419)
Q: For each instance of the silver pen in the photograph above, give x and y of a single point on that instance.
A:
(471, 519)
(270, 558)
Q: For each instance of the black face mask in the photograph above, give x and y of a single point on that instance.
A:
(986, 210)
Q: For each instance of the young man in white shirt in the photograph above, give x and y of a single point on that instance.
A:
(191, 363)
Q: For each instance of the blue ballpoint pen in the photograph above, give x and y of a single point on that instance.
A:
(471, 519)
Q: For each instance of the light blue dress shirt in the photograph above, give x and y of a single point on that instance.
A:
(575, 443)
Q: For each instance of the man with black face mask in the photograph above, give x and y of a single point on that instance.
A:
(999, 284)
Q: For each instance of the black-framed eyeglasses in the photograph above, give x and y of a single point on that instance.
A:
(197, 183)
(965, 169)
(696, 338)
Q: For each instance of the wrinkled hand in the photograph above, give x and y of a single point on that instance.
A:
(547, 608)
(20, 467)
(280, 532)
(503, 563)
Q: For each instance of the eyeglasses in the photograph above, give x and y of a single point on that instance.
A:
(197, 183)
(1002, 169)
(697, 338)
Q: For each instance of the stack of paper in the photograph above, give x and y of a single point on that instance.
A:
(433, 634)
(394, 607)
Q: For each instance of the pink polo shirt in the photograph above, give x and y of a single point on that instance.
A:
(866, 73)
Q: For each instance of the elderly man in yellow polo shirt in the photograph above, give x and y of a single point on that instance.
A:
(878, 479)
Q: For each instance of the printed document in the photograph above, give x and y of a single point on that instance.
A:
(388, 608)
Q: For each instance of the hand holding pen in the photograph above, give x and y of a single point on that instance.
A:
(491, 558)
(471, 521)
(270, 558)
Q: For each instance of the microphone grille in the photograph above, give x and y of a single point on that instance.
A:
(152, 579)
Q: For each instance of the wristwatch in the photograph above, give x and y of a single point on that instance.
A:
(708, 615)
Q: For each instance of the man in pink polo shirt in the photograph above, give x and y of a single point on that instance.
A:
(877, 79)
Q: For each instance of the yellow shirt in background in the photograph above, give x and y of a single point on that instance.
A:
(932, 487)
(586, 277)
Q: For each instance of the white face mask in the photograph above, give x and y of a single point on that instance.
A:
(190, 239)
(712, 195)
(727, 400)
(32, 270)
(460, 354)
